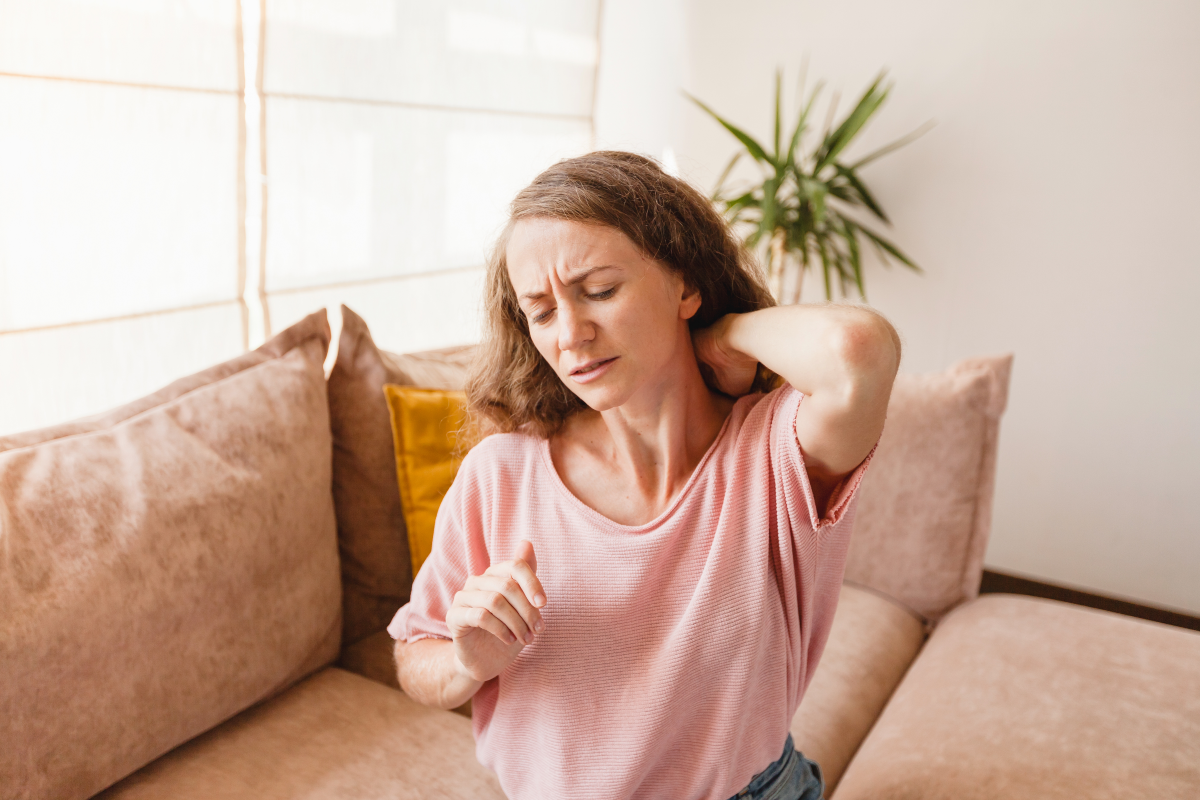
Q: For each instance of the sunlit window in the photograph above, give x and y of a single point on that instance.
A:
(180, 180)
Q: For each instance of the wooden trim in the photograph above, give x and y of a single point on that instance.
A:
(1004, 583)
(232, 301)
(123, 84)
(363, 101)
(429, 273)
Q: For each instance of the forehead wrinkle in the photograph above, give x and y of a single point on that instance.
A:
(570, 281)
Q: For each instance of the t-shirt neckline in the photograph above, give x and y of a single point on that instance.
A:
(588, 511)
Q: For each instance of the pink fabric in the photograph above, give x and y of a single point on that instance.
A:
(675, 653)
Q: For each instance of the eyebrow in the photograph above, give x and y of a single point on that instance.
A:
(574, 279)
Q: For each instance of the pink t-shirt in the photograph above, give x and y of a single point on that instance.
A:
(674, 653)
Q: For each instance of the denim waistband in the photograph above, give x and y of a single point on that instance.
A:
(790, 777)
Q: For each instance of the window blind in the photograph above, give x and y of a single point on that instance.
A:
(121, 260)
(179, 180)
(395, 135)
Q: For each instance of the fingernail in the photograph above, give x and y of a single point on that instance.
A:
(511, 638)
(538, 625)
(529, 637)
(539, 600)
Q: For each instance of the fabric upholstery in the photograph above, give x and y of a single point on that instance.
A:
(372, 657)
(336, 736)
(1020, 697)
(164, 566)
(428, 434)
(926, 508)
(376, 567)
(871, 644)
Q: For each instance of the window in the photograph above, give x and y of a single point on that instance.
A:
(178, 180)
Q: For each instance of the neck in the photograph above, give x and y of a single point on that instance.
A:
(659, 436)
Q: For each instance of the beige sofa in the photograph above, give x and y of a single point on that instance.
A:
(193, 590)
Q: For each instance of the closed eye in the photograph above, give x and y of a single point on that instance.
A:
(607, 293)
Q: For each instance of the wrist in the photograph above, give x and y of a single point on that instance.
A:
(462, 686)
(726, 339)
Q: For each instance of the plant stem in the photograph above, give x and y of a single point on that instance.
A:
(777, 263)
(794, 294)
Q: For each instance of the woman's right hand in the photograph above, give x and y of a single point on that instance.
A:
(496, 614)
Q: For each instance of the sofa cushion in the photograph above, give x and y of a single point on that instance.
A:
(871, 644)
(334, 736)
(164, 566)
(376, 567)
(1019, 697)
(925, 506)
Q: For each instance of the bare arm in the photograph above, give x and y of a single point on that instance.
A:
(428, 674)
(491, 620)
(843, 358)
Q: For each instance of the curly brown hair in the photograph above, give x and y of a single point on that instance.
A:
(511, 386)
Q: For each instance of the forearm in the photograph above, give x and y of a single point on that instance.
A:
(843, 358)
(819, 349)
(429, 674)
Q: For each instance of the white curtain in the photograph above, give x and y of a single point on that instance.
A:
(121, 259)
(396, 133)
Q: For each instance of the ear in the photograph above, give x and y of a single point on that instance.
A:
(689, 303)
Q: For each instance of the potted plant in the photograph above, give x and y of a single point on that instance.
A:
(802, 212)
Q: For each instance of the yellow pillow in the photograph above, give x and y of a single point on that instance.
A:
(427, 430)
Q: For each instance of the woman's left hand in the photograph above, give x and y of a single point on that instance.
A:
(734, 372)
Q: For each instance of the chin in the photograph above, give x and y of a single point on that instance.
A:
(600, 398)
(603, 395)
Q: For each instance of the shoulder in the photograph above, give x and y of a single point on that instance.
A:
(501, 456)
(759, 412)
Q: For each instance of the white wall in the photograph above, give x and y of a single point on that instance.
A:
(1055, 208)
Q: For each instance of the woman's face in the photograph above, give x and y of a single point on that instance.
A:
(608, 320)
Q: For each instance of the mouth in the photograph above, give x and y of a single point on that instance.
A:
(592, 367)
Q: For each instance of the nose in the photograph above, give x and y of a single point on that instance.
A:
(574, 330)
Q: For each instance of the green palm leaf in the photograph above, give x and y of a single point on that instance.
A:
(867, 105)
(754, 148)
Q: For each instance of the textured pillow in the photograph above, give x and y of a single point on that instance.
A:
(428, 432)
(164, 566)
(376, 567)
(925, 506)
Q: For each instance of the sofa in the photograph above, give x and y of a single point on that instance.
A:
(194, 589)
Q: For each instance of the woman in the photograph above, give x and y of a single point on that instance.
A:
(635, 577)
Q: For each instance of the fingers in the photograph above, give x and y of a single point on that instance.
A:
(503, 596)
(524, 572)
(459, 618)
(525, 553)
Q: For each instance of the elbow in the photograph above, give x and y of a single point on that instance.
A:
(867, 350)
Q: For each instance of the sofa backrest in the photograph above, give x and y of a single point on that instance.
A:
(164, 566)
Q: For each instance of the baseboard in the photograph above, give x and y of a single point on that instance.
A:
(1001, 582)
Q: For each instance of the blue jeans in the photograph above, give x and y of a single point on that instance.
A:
(792, 777)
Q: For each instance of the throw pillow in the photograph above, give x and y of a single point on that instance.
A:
(165, 566)
(428, 428)
(925, 506)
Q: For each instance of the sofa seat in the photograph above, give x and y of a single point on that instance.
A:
(335, 735)
(1019, 697)
(871, 644)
